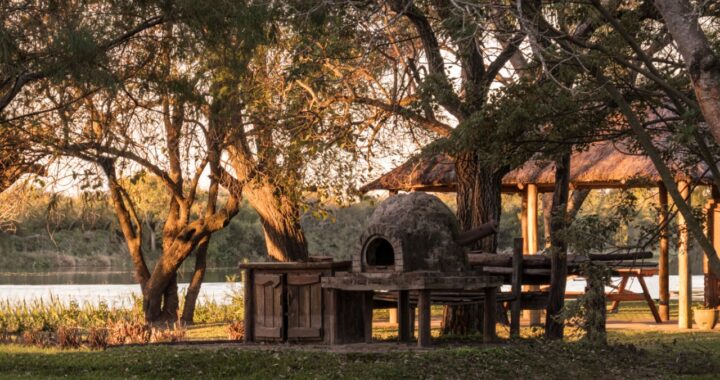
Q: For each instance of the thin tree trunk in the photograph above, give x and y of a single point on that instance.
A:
(694, 227)
(193, 289)
(577, 199)
(702, 64)
(554, 325)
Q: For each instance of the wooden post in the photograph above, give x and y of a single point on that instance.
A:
(489, 315)
(664, 274)
(685, 288)
(403, 315)
(249, 312)
(516, 286)
(712, 280)
(424, 318)
(532, 244)
(367, 315)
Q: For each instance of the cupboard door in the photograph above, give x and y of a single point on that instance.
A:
(304, 306)
(268, 305)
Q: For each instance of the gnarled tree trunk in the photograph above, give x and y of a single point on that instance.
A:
(280, 218)
(478, 201)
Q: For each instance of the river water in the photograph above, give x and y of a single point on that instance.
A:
(116, 287)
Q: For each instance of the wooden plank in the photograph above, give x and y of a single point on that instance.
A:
(268, 332)
(621, 290)
(489, 316)
(424, 337)
(287, 266)
(516, 285)
(304, 316)
(303, 279)
(649, 300)
(304, 332)
(625, 296)
(409, 281)
(269, 310)
(249, 311)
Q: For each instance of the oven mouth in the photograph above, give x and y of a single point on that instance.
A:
(379, 254)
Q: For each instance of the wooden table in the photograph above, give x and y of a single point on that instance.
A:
(423, 284)
(622, 294)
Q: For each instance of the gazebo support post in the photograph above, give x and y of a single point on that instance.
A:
(685, 288)
(712, 282)
(532, 240)
(664, 268)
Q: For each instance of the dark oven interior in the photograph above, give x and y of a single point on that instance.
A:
(379, 255)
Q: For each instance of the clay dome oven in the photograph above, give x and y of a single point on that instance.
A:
(414, 232)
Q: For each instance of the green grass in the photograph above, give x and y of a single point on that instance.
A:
(650, 355)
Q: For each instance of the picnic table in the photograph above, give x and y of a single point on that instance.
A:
(621, 293)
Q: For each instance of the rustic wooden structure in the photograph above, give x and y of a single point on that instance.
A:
(519, 271)
(602, 165)
(411, 248)
(285, 302)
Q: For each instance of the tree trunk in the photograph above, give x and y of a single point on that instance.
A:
(280, 218)
(702, 64)
(160, 300)
(554, 325)
(547, 210)
(193, 290)
(577, 198)
(478, 201)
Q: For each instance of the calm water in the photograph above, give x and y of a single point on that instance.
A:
(117, 287)
(114, 287)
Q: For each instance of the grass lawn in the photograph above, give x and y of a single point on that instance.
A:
(631, 354)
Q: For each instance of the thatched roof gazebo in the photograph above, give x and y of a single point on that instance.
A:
(601, 165)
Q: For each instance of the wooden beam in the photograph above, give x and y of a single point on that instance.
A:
(516, 288)
(684, 273)
(424, 337)
(664, 277)
(403, 315)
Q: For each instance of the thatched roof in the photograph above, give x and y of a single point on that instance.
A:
(604, 164)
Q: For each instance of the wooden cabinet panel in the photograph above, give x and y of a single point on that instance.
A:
(268, 305)
(304, 306)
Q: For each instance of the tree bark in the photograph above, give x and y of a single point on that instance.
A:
(193, 289)
(280, 218)
(478, 201)
(702, 64)
(554, 325)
